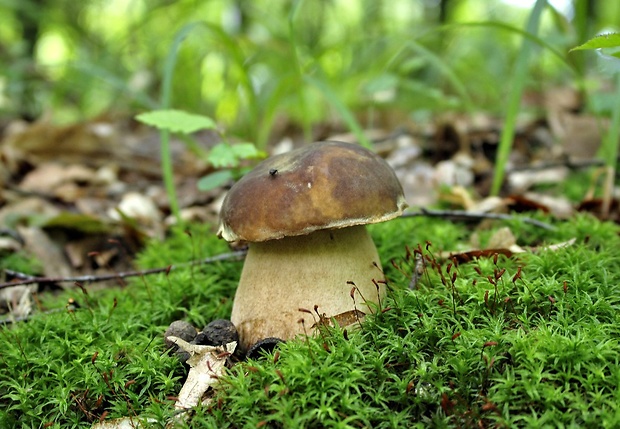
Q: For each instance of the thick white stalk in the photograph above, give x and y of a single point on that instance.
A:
(281, 276)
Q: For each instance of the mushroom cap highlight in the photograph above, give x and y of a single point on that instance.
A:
(322, 185)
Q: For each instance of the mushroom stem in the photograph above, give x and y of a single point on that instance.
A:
(281, 276)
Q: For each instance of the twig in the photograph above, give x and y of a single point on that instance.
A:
(26, 279)
(459, 214)
(454, 214)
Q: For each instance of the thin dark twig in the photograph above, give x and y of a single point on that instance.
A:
(26, 279)
(459, 214)
(453, 214)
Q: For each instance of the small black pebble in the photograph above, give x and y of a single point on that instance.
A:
(220, 332)
(181, 329)
(201, 340)
(182, 355)
(266, 345)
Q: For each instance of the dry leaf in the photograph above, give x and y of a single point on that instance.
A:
(124, 423)
(417, 182)
(520, 204)
(470, 255)
(558, 206)
(137, 206)
(18, 300)
(49, 253)
(9, 244)
(455, 172)
(490, 204)
(595, 206)
(49, 176)
(522, 180)
(502, 238)
(458, 196)
(22, 210)
(464, 257)
(343, 319)
(557, 246)
(206, 366)
(579, 134)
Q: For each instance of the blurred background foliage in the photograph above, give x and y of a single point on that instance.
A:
(255, 65)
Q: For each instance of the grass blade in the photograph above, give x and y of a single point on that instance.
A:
(514, 99)
(345, 113)
(164, 135)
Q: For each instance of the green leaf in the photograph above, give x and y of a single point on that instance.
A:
(247, 151)
(226, 155)
(222, 155)
(214, 180)
(513, 101)
(77, 222)
(176, 121)
(383, 82)
(610, 40)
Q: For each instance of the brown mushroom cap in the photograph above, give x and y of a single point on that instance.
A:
(319, 186)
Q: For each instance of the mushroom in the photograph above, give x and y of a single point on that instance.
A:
(302, 214)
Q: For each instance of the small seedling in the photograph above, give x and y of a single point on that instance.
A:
(224, 156)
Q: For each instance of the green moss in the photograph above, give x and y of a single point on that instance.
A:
(55, 366)
(534, 345)
(515, 353)
(20, 262)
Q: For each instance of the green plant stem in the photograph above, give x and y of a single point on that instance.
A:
(533, 38)
(610, 148)
(166, 97)
(307, 126)
(444, 68)
(232, 49)
(514, 99)
(346, 114)
(582, 26)
(168, 174)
